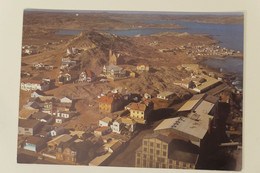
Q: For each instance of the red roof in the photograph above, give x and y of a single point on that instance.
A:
(101, 129)
(89, 73)
(108, 99)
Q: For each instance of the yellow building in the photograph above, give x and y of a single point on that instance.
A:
(140, 111)
(111, 103)
(159, 151)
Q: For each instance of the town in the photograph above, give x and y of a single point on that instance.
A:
(128, 113)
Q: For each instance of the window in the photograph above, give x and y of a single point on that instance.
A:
(158, 145)
(184, 165)
(144, 156)
(157, 152)
(142, 112)
(68, 158)
(145, 142)
(164, 147)
(68, 151)
(170, 166)
(138, 161)
(164, 153)
(163, 165)
(145, 149)
(26, 129)
(151, 151)
(151, 157)
(151, 144)
(133, 111)
(137, 112)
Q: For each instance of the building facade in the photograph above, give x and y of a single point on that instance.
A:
(157, 151)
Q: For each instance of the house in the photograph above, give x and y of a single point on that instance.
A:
(111, 102)
(57, 131)
(129, 124)
(105, 122)
(38, 66)
(32, 105)
(27, 113)
(54, 143)
(121, 124)
(33, 143)
(87, 75)
(30, 85)
(28, 127)
(43, 117)
(142, 67)
(113, 71)
(117, 126)
(38, 93)
(147, 96)
(74, 152)
(132, 74)
(102, 131)
(140, 111)
(72, 51)
(113, 146)
(68, 77)
(66, 99)
(65, 114)
(166, 95)
(68, 65)
(186, 83)
(165, 152)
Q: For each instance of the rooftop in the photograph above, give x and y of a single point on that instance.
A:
(165, 93)
(101, 129)
(192, 102)
(204, 107)
(34, 140)
(28, 123)
(106, 119)
(141, 106)
(61, 138)
(110, 98)
(194, 127)
(26, 113)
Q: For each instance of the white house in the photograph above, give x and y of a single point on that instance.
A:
(142, 67)
(57, 131)
(29, 85)
(105, 122)
(66, 99)
(116, 126)
(166, 95)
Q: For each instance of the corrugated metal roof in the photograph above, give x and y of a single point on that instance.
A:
(191, 103)
(204, 107)
(196, 128)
